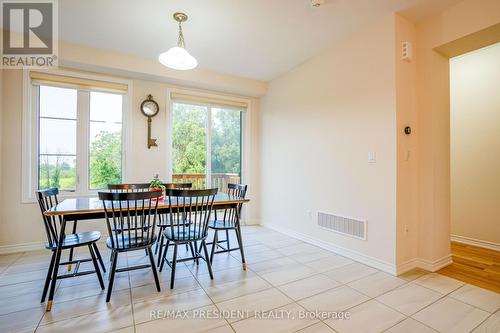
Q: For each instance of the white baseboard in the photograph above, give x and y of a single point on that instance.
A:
(354, 255)
(6, 249)
(475, 242)
(428, 265)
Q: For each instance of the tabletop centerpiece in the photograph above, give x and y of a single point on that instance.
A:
(156, 184)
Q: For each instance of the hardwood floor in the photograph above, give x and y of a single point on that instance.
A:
(474, 265)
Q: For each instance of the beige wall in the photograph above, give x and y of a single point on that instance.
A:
(475, 145)
(319, 121)
(20, 223)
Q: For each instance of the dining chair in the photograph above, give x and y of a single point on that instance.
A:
(226, 220)
(195, 206)
(164, 222)
(46, 200)
(131, 221)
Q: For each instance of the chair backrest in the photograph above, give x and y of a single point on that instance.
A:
(46, 200)
(142, 187)
(130, 217)
(228, 216)
(193, 206)
(178, 185)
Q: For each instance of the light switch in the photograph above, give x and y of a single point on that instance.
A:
(372, 157)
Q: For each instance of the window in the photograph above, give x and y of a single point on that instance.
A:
(77, 136)
(206, 143)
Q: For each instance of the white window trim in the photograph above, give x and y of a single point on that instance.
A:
(246, 137)
(29, 173)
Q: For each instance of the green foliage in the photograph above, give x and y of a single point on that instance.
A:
(156, 182)
(55, 172)
(189, 140)
(105, 160)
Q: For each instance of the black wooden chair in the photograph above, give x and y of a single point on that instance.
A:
(48, 199)
(195, 206)
(131, 221)
(228, 219)
(164, 222)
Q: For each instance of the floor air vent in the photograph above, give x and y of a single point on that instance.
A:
(342, 225)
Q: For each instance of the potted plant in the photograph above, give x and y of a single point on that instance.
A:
(156, 184)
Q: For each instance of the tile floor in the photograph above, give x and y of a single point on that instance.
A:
(287, 281)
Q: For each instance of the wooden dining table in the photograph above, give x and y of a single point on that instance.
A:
(91, 208)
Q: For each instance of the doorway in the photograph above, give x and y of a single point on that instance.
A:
(475, 167)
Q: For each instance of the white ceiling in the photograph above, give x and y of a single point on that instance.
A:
(258, 39)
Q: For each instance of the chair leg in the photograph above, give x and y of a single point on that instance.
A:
(98, 254)
(164, 255)
(47, 279)
(159, 247)
(214, 246)
(159, 242)
(112, 275)
(174, 262)
(96, 266)
(240, 244)
(71, 250)
(227, 238)
(153, 267)
(209, 264)
(192, 249)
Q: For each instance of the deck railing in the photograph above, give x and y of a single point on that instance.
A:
(218, 180)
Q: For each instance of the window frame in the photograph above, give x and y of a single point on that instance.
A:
(30, 134)
(245, 129)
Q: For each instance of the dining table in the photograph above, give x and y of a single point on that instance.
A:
(92, 208)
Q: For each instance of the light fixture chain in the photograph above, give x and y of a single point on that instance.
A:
(180, 40)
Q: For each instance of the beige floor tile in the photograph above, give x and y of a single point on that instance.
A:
(32, 287)
(148, 291)
(88, 305)
(281, 243)
(351, 272)
(377, 284)
(20, 303)
(229, 275)
(317, 328)
(337, 299)
(369, 317)
(183, 301)
(478, 297)
(20, 277)
(69, 293)
(328, 263)
(297, 249)
(308, 287)
(103, 321)
(284, 319)
(22, 320)
(490, 325)
(194, 323)
(129, 329)
(225, 291)
(410, 326)
(292, 273)
(413, 274)
(272, 265)
(221, 262)
(316, 255)
(262, 256)
(145, 276)
(221, 329)
(440, 283)
(409, 298)
(261, 301)
(451, 316)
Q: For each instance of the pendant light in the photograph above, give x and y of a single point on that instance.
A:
(178, 57)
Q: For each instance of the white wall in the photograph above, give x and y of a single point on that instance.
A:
(319, 121)
(475, 145)
(21, 224)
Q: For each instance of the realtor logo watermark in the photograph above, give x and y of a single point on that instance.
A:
(29, 34)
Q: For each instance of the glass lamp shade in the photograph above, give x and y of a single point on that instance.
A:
(178, 58)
